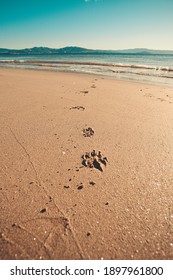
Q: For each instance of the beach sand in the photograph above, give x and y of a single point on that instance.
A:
(59, 201)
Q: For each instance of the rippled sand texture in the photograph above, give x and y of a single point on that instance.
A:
(86, 169)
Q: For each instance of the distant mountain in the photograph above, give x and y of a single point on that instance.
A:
(78, 50)
(145, 51)
(45, 50)
(73, 50)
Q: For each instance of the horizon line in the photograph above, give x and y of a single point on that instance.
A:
(57, 48)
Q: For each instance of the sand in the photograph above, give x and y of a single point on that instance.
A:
(59, 199)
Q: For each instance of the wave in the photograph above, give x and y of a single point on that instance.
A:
(138, 72)
(53, 63)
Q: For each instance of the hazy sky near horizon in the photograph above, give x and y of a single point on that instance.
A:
(96, 24)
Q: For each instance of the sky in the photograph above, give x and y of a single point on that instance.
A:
(95, 24)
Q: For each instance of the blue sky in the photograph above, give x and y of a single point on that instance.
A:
(97, 24)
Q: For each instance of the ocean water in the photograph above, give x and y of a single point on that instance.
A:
(138, 67)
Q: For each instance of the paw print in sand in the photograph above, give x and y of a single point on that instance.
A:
(94, 160)
(88, 132)
(78, 108)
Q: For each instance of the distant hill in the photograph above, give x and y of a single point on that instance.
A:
(78, 50)
(45, 50)
(145, 51)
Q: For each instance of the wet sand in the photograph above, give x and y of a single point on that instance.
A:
(86, 169)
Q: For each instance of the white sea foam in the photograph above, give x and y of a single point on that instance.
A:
(6, 60)
(122, 66)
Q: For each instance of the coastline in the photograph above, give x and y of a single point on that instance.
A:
(53, 206)
(167, 82)
(154, 69)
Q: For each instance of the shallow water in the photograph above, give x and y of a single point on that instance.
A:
(139, 67)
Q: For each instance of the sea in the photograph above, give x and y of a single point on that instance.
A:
(151, 68)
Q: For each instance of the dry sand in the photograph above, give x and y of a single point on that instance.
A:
(53, 205)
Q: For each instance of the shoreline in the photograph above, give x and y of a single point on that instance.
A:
(86, 167)
(97, 75)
